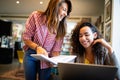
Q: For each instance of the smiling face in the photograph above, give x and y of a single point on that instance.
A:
(86, 36)
(62, 11)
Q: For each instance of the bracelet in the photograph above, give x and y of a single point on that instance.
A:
(36, 47)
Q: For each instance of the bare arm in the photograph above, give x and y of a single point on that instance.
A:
(36, 47)
(55, 53)
(105, 44)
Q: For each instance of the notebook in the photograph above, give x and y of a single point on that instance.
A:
(55, 60)
(80, 71)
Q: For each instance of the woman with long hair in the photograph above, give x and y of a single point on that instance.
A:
(44, 34)
(90, 47)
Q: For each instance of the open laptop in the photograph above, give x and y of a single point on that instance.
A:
(80, 71)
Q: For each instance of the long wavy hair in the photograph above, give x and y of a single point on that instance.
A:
(52, 17)
(77, 48)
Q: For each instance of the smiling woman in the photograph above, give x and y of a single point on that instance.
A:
(44, 34)
(90, 47)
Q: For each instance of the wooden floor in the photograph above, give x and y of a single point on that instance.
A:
(8, 67)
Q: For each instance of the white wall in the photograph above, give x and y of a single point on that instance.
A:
(71, 23)
(116, 29)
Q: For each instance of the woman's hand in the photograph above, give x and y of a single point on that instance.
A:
(41, 50)
(55, 53)
(105, 44)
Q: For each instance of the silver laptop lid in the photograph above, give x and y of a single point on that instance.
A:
(79, 71)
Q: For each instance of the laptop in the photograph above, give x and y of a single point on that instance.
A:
(80, 71)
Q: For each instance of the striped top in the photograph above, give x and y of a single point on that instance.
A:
(37, 31)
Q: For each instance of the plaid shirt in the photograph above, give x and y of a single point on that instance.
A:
(37, 31)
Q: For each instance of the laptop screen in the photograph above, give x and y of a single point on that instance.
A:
(80, 71)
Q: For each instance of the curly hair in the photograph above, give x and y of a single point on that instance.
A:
(77, 48)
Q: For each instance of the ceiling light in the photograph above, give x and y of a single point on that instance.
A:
(41, 2)
(17, 2)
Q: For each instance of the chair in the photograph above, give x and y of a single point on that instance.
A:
(20, 71)
(20, 54)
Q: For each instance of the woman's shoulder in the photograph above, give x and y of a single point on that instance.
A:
(39, 16)
(37, 13)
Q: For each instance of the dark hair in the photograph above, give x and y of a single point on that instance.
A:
(52, 16)
(77, 48)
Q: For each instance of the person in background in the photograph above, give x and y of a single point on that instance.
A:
(44, 33)
(90, 47)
